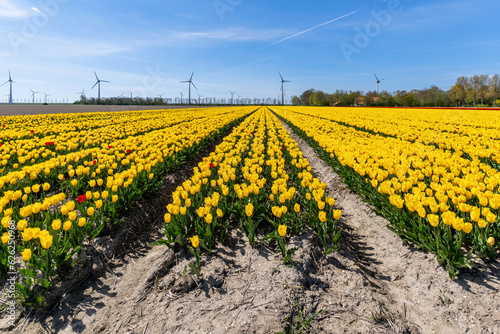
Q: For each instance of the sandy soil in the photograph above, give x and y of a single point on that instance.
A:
(9, 110)
(374, 284)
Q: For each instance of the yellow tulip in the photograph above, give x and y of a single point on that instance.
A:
(491, 241)
(322, 216)
(195, 241)
(296, 207)
(67, 225)
(433, 220)
(46, 241)
(22, 224)
(26, 253)
(167, 218)
(282, 230)
(467, 228)
(27, 234)
(249, 209)
(72, 215)
(82, 221)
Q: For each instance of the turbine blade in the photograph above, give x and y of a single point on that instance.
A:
(184, 81)
(191, 76)
(280, 76)
(105, 81)
(96, 76)
(193, 85)
(4, 83)
(94, 85)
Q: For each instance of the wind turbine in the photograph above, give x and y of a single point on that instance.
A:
(82, 93)
(232, 94)
(98, 83)
(33, 94)
(378, 81)
(190, 82)
(46, 96)
(282, 89)
(182, 98)
(199, 98)
(131, 93)
(10, 80)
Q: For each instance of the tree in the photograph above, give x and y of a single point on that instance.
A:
(295, 100)
(495, 88)
(461, 89)
(304, 97)
(481, 86)
(318, 98)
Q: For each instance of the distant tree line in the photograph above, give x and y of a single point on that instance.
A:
(474, 91)
(121, 101)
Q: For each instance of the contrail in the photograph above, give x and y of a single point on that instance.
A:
(303, 32)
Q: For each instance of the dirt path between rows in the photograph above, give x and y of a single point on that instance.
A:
(374, 284)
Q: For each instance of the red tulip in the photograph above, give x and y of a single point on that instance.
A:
(81, 198)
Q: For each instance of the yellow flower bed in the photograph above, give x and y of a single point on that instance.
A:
(437, 164)
(64, 176)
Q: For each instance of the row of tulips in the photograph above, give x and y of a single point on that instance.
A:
(256, 178)
(84, 192)
(441, 200)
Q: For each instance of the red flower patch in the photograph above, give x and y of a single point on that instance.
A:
(110, 146)
(49, 143)
(211, 165)
(32, 131)
(81, 198)
(128, 151)
(94, 162)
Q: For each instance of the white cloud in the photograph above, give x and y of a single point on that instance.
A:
(9, 9)
(35, 9)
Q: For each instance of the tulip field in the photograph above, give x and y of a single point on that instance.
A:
(433, 173)
(65, 178)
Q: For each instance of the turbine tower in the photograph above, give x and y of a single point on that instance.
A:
(282, 89)
(10, 81)
(33, 94)
(232, 94)
(46, 95)
(82, 93)
(190, 82)
(378, 81)
(98, 84)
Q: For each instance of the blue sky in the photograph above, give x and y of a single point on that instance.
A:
(148, 47)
